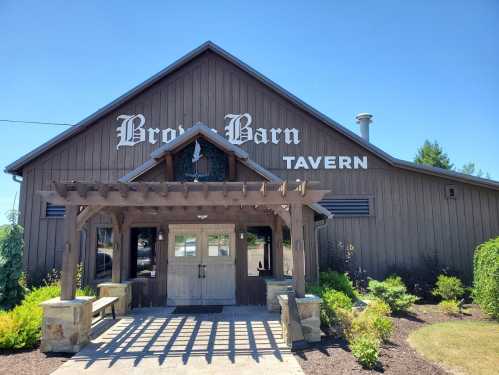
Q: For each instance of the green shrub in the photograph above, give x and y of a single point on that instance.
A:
(86, 291)
(344, 320)
(315, 289)
(337, 281)
(379, 306)
(44, 293)
(393, 292)
(365, 349)
(332, 301)
(11, 252)
(371, 322)
(486, 277)
(450, 307)
(20, 328)
(383, 326)
(448, 287)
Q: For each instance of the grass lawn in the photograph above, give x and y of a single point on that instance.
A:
(469, 347)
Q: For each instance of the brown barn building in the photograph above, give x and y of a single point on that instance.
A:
(188, 183)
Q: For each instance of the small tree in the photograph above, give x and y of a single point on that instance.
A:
(433, 154)
(11, 250)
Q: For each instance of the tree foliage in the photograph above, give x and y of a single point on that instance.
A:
(11, 250)
(486, 277)
(471, 169)
(431, 153)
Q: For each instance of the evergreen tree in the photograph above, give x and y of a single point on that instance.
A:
(433, 154)
(11, 250)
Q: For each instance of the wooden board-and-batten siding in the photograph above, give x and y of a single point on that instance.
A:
(411, 215)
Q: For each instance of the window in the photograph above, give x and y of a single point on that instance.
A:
(104, 253)
(218, 245)
(450, 192)
(143, 252)
(185, 245)
(52, 210)
(259, 240)
(347, 206)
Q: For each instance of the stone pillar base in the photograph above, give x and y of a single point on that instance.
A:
(121, 290)
(66, 324)
(309, 308)
(274, 288)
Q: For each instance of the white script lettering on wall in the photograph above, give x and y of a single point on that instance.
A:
(131, 131)
(325, 162)
(238, 130)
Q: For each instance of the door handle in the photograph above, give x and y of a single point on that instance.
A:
(199, 271)
(204, 271)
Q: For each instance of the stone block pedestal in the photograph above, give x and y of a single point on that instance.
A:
(274, 288)
(309, 308)
(121, 290)
(66, 324)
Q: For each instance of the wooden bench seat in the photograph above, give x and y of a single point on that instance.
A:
(101, 304)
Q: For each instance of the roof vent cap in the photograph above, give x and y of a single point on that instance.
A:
(364, 120)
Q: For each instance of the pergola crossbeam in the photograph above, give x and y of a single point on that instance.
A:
(183, 198)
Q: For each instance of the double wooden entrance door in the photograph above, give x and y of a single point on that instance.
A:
(201, 264)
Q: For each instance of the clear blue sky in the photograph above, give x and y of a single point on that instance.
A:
(425, 69)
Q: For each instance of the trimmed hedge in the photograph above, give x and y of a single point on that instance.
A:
(486, 277)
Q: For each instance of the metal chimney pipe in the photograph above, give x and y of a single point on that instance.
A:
(364, 119)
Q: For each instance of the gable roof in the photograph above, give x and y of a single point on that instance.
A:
(222, 143)
(17, 166)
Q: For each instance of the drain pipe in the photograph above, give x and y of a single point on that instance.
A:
(316, 232)
(14, 177)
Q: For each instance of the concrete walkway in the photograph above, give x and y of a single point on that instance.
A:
(241, 340)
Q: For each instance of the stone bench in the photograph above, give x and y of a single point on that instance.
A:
(100, 305)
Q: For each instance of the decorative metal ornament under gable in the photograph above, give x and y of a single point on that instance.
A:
(203, 163)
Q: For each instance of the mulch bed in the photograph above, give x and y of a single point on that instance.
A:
(332, 356)
(29, 362)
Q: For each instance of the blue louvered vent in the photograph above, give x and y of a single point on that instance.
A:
(52, 210)
(347, 207)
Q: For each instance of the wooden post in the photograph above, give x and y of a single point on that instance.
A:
(71, 254)
(169, 167)
(117, 219)
(278, 258)
(297, 245)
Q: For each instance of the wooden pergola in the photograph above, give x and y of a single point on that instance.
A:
(83, 200)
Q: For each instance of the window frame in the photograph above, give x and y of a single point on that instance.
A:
(94, 252)
(128, 257)
(270, 250)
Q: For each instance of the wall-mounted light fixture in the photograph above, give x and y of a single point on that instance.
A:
(161, 235)
(202, 217)
(241, 235)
